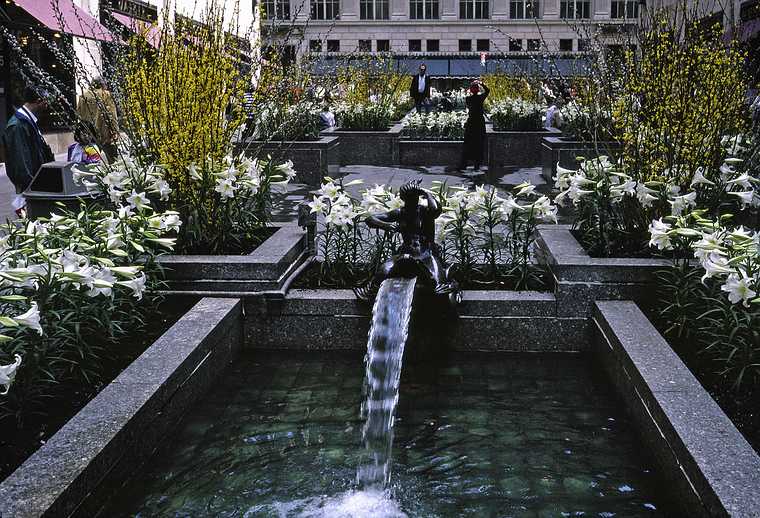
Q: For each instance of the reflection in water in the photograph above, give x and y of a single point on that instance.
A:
(385, 352)
(482, 435)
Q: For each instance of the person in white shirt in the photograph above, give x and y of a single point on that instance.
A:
(327, 117)
(419, 90)
(553, 117)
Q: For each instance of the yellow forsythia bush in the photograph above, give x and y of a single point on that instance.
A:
(681, 95)
(184, 97)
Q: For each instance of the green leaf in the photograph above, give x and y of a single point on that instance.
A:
(8, 322)
(13, 298)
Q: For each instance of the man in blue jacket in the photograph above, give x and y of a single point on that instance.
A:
(25, 148)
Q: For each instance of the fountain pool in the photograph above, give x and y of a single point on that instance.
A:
(486, 435)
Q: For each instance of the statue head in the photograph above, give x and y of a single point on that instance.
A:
(410, 192)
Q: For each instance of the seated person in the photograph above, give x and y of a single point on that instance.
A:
(84, 150)
(327, 117)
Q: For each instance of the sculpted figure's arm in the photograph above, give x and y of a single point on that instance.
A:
(385, 221)
(433, 207)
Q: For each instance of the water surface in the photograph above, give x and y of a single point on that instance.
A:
(481, 435)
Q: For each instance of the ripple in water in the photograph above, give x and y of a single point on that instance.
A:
(371, 502)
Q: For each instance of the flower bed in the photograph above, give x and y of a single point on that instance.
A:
(20, 441)
(516, 115)
(435, 126)
(488, 237)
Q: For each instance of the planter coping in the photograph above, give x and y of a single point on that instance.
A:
(56, 478)
(543, 131)
(722, 467)
(272, 249)
(565, 250)
(320, 142)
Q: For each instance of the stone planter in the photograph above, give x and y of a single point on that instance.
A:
(368, 147)
(312, 160)
(266, 268)
(555, 149)
(431, 152)
(700, 454)
(118, 431)
(515, 148)
(579, 279)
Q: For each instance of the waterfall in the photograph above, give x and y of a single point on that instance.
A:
(385, 350)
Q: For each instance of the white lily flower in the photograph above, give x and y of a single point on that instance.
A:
(225, 188)
(660, 238)
(138, 200)
(137, 285)
(194, 172)
(8, 374)
(30, 319)
(681, 203)
(699, 178)
(287, 170)
(743, 180)
(171, 221)
(715, 264)
(317, 206)
(745, 197)
(739, 289)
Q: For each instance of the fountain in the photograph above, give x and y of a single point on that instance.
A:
(418, 259)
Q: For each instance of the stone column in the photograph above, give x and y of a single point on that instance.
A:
(449, 9)
(399, 9)
(550, 9)
(500, 9)
(349, 10)
(601, 9)
(300, 10)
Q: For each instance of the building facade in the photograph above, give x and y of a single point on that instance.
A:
(464, 28)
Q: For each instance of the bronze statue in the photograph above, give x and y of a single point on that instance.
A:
(419, 254)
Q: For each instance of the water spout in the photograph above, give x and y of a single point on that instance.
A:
(385, 350)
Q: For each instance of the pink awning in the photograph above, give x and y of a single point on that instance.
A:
(64, 16)
(151, 31)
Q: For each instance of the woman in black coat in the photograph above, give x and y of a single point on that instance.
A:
(475, 127)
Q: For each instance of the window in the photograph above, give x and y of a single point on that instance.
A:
(277, 9)
(374, 10)
(365, 45)
(432, 45)
(519, 9)
(473, 9)
(483, 45)
(325, 9)
(333, 45)
(624, 9)
(584, 45)
(415, 45)
(423, 10)
(315, 46)
(565, 45)
(577, 9)
(534, 45)
(465, 45)
(515, 45)
(383, 45)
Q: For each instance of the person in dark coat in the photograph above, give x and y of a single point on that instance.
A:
(419, 90)
(475, 127)
(25, 148)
